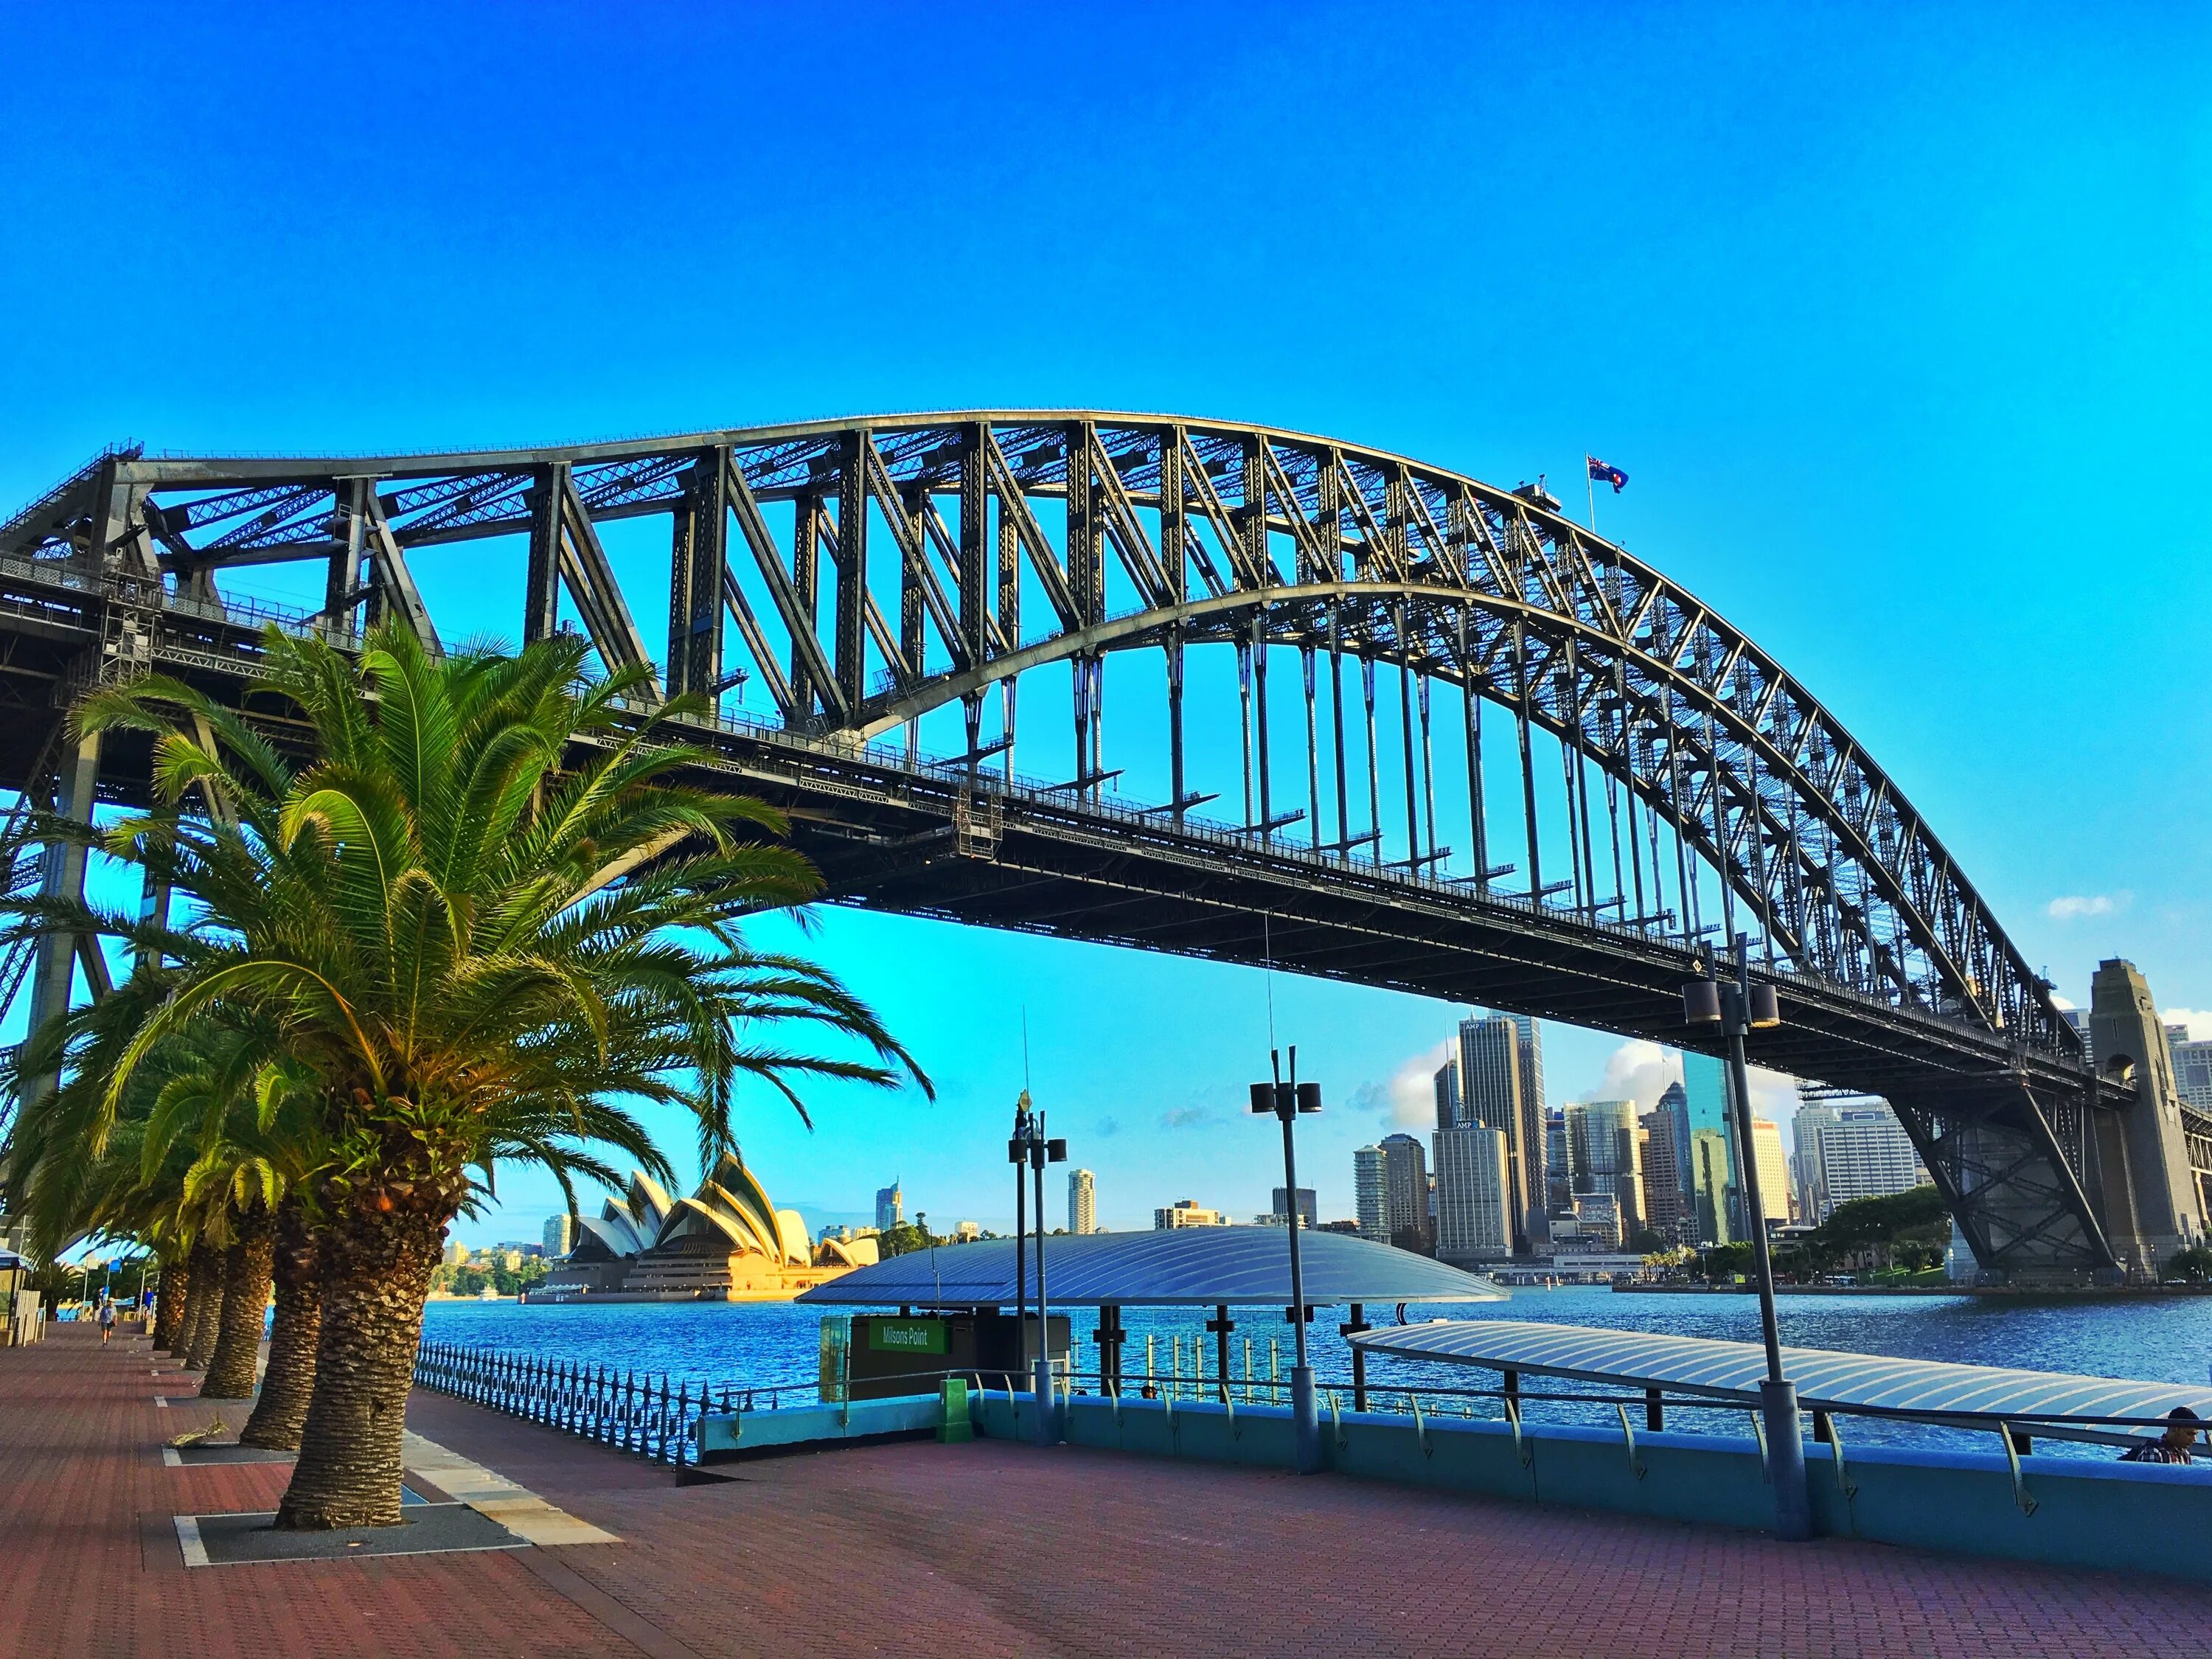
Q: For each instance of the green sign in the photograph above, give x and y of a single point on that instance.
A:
(906, 1335)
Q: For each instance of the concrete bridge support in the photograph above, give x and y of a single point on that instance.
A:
(2153, 1205)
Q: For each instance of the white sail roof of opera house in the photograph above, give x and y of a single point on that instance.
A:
(1183, 1266)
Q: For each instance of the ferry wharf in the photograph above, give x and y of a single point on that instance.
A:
(987, 1548)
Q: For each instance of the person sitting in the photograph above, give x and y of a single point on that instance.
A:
(2173, 1446)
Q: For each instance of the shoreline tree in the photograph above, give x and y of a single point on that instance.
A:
(483, 917)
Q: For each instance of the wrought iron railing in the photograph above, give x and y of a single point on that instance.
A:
(651, 1414)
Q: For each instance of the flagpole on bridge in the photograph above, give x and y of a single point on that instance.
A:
(1589, 483)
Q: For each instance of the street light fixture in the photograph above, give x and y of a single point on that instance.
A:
(1738, 1006)
(1030, 1145)
(1286, 1100)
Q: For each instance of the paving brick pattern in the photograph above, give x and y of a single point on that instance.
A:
(979, 1550)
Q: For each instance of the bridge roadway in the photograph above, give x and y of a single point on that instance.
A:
(1894, 979)
(925, 839)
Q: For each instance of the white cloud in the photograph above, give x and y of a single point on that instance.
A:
(1408, 1099)
(2075, 906)
(2197, 1020)
(1638, 1071)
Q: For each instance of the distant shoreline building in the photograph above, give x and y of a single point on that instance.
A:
(1187, 1213)
(1474, 1219)
(560, 1234)
(891, 1208)
(1082, 1201)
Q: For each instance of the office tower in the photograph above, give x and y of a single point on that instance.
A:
(1474, 1223)
(1603, 1157)
(1773, 1170)
(2079, 1019)
(1187, 1213)
(1492, 1071)
(1530, 1057)
(1805, 1128)
(1598, 1221)
(1370, 1193)
(1309, 1209)
(1406, 1187)
(1558, 1187)
(2192, 1071)
(1864, 1153)
(1883, 1159)
(1674, 1106)
(1082, 1201)
(560, 1234)
(1447, 1083)
(1663, 1174)
(891, 1208)
(1716, 1209)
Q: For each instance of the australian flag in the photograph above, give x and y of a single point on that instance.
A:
(1603, 472)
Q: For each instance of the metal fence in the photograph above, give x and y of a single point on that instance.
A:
(651, 1414)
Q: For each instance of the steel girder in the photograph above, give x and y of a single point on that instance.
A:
(1147, 532)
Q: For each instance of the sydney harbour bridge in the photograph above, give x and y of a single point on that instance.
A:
(1369, 719)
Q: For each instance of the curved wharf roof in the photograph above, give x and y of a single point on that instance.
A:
(1195, 1266)
(1825, 1377)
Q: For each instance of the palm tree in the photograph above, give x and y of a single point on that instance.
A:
(250, 1124)
(484, 914)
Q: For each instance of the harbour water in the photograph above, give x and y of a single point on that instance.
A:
(761, 1343)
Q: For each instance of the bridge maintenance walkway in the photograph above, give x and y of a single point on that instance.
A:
(983, 1549)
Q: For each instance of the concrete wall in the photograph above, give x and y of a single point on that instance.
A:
(2148, 1517)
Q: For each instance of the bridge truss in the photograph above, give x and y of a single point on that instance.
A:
(1384, 722)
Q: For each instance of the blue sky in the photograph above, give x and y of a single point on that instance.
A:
(1895, 317)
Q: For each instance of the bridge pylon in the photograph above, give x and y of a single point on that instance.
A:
(2152, 1199)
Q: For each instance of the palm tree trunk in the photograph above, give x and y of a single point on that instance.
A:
(289, 1382)
(207, 1309)
(169, 1298)
(247, 1264)
(376, 1273)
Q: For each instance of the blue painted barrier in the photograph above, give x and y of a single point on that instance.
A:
(723, 1434)
(2070, 1511)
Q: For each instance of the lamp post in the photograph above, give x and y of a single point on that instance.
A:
(1286, 1100)
(1017, 1154)
(1043, 1152)
(1738, 1007)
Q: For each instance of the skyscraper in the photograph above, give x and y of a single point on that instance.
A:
(560, 1234)
(1773, 1169)
(1603, 1158)
(1474, 1223)
(1662, 1175)
(1558, 1186)
(2192, 1070)
(1082, 1201)
(1497, 1066)
(1370, 1191)
(891, 1208)
(1531, 1060)
(1864, 1153)
(1406, 1192)
(1715, 1210)
(1309, 1205)
(1447, 1081)
(1877, 1156)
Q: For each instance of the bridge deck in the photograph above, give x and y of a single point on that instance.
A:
(983, 1549)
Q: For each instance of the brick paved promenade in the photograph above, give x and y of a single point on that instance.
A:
(978, 1550)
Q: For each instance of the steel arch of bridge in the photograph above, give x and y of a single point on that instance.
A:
(957, 552)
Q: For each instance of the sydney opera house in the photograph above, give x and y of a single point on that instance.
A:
(727, 1242)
